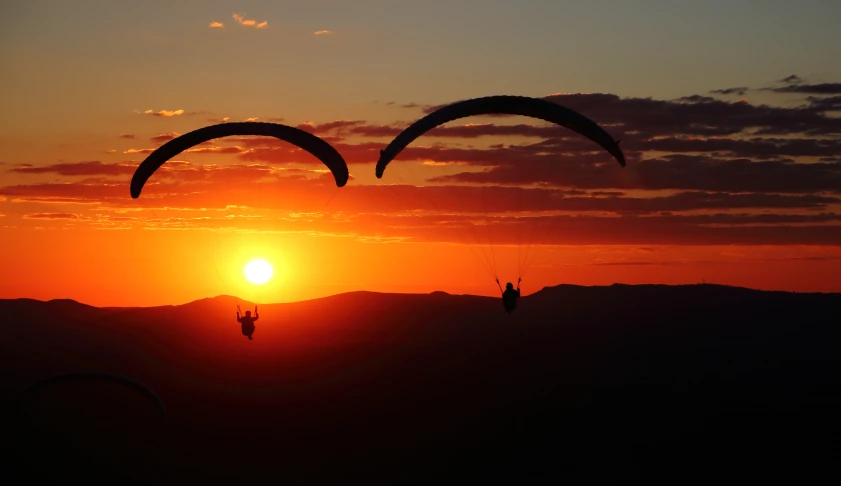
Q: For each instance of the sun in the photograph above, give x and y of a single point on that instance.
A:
(258, 271)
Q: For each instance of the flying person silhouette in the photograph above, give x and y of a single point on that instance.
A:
(510, 295)
(247, 321)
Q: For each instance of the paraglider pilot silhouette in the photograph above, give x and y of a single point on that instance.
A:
(510, 295)
(247, 321)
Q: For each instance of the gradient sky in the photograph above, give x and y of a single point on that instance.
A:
(729, 114)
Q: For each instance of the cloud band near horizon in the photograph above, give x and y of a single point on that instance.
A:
(701, 170)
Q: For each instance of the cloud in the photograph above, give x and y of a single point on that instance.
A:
(468, 131)
(164, 113)
(252, 119)
(171, 180)
(216, 25)
(639, 263)
(215, 150)
(715, 165)
(328, 127)
(127, 135)
(694, 143)
(164, 137)
(323, 32)
(791, 79)
(277, 152)
(185, 185)
(825, 103)
(404, 211)
(823, 88)
(731, 91)
(51, 216)
(673, 171)
(701, 171)
(765, 147)
(138, 151)
(563, 141)
(54, 200)
(84, 168)
(218, 120)
(692, 115)
(595, 230)
(496, 199)
(240, 19)
(410, 105)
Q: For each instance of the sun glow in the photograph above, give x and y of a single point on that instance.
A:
(258, 271)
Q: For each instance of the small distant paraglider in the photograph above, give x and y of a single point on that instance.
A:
(140, 388)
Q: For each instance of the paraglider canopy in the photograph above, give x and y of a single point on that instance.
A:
(68, 428)
(307, 141)
(143, 390)
(511, 105)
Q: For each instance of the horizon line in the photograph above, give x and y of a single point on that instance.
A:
(246, 301)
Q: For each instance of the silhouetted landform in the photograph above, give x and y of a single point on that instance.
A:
(604, 384)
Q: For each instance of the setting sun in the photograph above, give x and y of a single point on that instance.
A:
(258, 271)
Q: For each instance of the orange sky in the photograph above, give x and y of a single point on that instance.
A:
(732, 178)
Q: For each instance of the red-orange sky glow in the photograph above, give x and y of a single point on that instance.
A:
(730, 185)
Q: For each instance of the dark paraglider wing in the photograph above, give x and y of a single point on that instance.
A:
(108, 377)
(307, 141)
(511, 105)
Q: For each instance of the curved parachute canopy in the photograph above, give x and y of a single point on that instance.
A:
(307, 141)
(91, 375)
(511, 105)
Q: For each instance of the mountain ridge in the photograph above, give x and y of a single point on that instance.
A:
(231, 299)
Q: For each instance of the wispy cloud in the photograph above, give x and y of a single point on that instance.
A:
(84, 168)
(640, 263)
(127, 135)
(821, 88)
(216, 25)
(252, 119)
(408, 105)
(740, 91)
(216, 150)
(164, 113)
(323, 32)
(240, 18)
(164, 137)
(51, 216)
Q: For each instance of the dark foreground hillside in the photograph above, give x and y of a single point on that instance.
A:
(618, 383)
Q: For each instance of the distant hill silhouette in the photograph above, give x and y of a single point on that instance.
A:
(605, 383)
